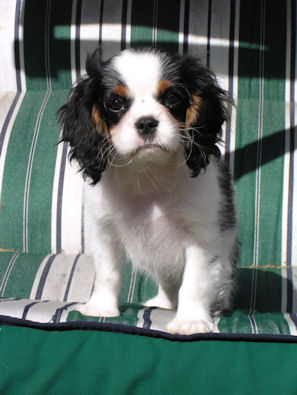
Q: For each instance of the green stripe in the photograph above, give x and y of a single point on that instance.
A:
(247, 126)
(246, 149)
(145, 288)
(40, 197)
(34, 51)
(144, 15)
(274, 123)
(22, 276)
(59, 43)
(267, 323)
(5, 258)
(168, 25)
(237, 323)
(272, 323)
(270, 192)
(60, 46)
(17, 156)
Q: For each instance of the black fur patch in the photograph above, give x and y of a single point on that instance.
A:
(227, 212)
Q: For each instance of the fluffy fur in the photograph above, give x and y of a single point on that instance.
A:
(144, 128)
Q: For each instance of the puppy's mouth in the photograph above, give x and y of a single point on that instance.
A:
(149, 148)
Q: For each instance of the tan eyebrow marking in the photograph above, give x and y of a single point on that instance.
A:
(162, 86)
(122, 90)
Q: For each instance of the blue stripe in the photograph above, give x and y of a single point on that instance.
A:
(60, 199)
(44, 276)
(147, 318)
(70, 278)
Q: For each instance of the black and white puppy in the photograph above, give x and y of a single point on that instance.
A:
(144, 128)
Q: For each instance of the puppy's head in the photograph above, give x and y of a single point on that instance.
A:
(142, 105)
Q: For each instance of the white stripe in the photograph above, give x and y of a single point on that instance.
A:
(6, 99)
(55, 191)
(128, 26)
(155, 23)
(219, 54)
(13, 308)
(44, 311)
(181, 37)
(197, 40)
(56, 281)
(140, 320)
(112, 31)
(38, 277)
(259, 137)
(82, 280)
(294, 213)
(21, 46)
(132, 286)
(7, 26)
(7, 64)
(89, 32)
(72, 209)
(235, 88)
(291, 324)
(294, 281)
(160, 318)
(286, 162)
(219, 41)
(72, 40)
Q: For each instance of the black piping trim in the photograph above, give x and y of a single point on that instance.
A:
(132, 330)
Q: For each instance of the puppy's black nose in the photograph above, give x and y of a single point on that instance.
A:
(146, 126)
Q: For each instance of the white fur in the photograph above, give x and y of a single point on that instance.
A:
(147, 206)
(142, 82)
(166, 222)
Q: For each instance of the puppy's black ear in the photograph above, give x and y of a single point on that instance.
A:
(82, 124)
(205, 114)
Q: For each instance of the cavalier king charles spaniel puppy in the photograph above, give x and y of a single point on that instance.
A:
(144, 127)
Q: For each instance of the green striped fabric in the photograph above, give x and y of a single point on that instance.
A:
(45, 269)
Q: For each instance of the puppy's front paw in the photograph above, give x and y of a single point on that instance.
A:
(93, 310)
(100, 305)
(190, 326)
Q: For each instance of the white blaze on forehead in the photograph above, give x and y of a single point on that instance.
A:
(140, 71)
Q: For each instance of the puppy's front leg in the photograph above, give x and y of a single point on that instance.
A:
(107, 258)
(195, 295)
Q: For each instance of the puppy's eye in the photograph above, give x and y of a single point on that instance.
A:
(117, 103)
(172, 99)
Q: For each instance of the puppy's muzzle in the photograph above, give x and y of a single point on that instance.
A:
(146, 127)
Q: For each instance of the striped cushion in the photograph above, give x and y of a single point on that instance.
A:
(44, 266)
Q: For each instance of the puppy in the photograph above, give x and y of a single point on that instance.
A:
(144, 128)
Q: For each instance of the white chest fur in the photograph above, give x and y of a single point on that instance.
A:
(155, 220)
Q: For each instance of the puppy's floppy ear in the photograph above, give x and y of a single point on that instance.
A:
(205, 115)
(82, 124)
